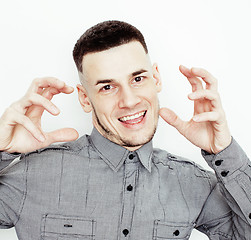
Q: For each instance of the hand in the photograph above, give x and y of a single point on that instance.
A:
(208, 127)
(20, 124)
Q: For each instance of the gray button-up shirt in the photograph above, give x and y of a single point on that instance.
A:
(92, 188)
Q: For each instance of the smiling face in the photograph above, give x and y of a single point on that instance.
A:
(120, 87)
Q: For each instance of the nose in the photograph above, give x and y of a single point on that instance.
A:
(128, 98)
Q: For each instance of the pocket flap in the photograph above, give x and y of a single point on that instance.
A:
(170, 230)
(68, 225)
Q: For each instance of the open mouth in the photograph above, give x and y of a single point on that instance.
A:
(133, 119)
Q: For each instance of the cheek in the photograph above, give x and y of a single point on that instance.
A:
(151, 96)
(153, 101)
(104, 107)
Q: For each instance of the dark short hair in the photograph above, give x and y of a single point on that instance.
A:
(103, 36)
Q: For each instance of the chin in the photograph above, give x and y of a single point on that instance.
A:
(136, 141)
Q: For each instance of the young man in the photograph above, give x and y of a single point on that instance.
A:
(113, 184)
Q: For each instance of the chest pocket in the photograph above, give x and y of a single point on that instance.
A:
(169, 230)
(58, 227)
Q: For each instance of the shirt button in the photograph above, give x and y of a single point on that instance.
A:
(176, 233)
(218, 162)
(129, 187)
(131, 156)
(224, 173)
(125, 232)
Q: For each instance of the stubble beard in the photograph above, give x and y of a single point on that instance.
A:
(122, 141)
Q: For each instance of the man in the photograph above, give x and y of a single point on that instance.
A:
(113, 184)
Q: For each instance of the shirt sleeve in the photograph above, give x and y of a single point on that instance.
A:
(12, 188)
(233, 172)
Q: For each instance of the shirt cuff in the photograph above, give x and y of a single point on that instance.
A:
(5, 156)
(228, 162)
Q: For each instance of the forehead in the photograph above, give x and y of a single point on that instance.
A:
(115, 62)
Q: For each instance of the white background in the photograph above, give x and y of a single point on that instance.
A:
(37, 38)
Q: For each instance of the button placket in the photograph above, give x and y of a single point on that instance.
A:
(129, 187)
(130, 173)
(125, 232)
(218, 162)
(224, 173)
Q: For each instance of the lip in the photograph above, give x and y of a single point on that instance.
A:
(134, 123)
(135, 115)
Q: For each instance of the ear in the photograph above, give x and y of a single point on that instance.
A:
(156, 76)
(84, 99)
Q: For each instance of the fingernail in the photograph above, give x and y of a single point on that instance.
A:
(55, 110)
(195, 118)
(191, 95)
(183, 66)
(72, 88)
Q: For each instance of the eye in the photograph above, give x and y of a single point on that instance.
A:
(138, 79)
(106, 87)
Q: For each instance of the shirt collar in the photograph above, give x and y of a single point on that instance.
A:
(115, 155)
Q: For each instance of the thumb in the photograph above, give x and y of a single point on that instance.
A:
(62, 135)
(172, 119)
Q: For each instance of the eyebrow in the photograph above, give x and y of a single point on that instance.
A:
(112, 80)
(138, 72)
(104, 81)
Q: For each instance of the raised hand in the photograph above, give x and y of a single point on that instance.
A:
(20, 124)
(208, 127)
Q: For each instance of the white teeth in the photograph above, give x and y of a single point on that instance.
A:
(123, 119)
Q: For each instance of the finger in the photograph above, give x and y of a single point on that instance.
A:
(15, 117)
(62, 135)
(208, 78)
(186, 71)
(171, 118)
(206, 94)
(49, 92)
(39, 83)
(66, 89)
(206, 116)
(36, 111)
(38, 100)
(194, 81)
